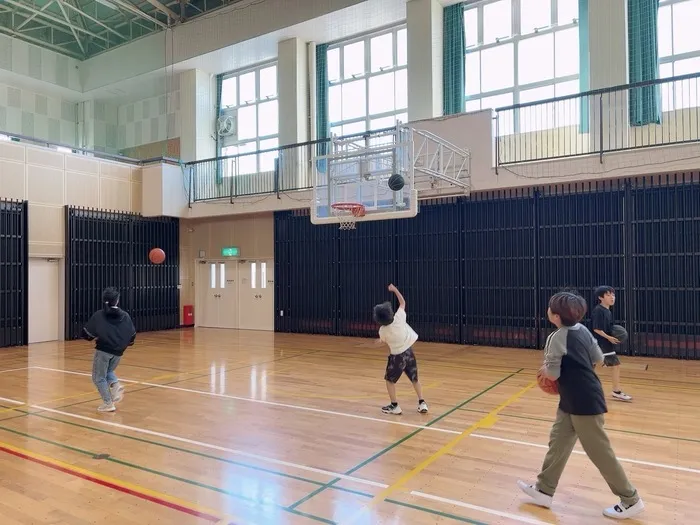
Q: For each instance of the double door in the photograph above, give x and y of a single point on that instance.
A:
(236, 294)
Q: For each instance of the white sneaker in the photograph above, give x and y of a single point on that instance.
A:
(423, 407)
(392, 409)
(117, 391)
(106, 407)
(620, 512)
(538, 498)
(621, 396)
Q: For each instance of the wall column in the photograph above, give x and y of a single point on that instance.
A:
(197, 115)
(607, 61)
(424, 28)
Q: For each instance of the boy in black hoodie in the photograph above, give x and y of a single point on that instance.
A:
(114, 331)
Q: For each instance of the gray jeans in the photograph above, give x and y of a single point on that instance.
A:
(103, 367)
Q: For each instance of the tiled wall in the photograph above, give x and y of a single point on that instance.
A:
(150, 120)
(36, 115)
(101, 126)
(49, 180)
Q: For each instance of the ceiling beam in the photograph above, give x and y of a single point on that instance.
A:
(19, 27)
(53, 18)
(165, 10)
(92, 19)
(75, 34)
(41, 43)
(136, 11)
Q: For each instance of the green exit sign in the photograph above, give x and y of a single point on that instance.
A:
(230, 251)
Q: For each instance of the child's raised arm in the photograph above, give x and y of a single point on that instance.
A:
(395, 290)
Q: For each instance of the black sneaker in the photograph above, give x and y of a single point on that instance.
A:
(392, 409)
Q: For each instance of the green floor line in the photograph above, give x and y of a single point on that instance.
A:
(399, 442)
(632, 432)
(235, 463)
(170, 476)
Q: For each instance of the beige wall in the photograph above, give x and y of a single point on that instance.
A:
(253, 234)
(49, 179)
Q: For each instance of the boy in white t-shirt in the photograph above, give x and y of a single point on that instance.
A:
(399, 337)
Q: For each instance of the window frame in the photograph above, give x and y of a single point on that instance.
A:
(672, 90)
(516, 38)
(234, 141)
(369, 74)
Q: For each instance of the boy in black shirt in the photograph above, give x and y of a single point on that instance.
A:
(570, 355)
(601, 323)
(114, 331)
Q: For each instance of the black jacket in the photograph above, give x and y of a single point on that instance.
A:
(113, 330)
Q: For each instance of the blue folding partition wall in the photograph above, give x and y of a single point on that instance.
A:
(105, 248)
(480, 270)
(14, 273)
(306, 259)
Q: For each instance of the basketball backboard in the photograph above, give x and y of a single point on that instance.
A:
(355, 173)
(351, 180)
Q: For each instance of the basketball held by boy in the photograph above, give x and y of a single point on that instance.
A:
(570, 356)
(396, 333)
(602, 326)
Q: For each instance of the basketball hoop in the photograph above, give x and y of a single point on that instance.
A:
(347, 212)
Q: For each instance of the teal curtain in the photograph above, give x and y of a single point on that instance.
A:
(584, 63)
(322, 124)
(453, 47)
(219, 83)
(644, 102)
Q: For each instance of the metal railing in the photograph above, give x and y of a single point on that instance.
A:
(264, 172)
(641, 115)
(14, 138)
(261, 172)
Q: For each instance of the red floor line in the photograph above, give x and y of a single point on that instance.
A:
(125, 490)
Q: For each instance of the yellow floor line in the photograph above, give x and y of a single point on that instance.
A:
(137, 490)
(487, 421)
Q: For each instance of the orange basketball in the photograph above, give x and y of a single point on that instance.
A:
(547, 385)
(156, 256)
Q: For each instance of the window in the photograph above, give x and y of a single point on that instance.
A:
(368, 83)
(263, 275)
(679, 52)
(520, 51)
(251, 97)
(253, 267)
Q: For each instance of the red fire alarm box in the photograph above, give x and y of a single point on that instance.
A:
(188, 315)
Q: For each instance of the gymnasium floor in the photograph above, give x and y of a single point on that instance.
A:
(249, 427)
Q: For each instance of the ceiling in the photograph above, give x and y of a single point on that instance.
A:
(84, 28)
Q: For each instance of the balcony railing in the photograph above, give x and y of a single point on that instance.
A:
(283, 169)
(640, 115)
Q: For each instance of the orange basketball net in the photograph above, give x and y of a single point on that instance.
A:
(347, 212)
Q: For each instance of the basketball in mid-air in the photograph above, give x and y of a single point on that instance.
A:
(156, 256)
(396, 182)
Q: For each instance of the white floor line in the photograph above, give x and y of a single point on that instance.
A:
(14, 369)
(516, 517)
(14, 401)
(214, 447)
(582, 453)
(343, 414)
(269, 403)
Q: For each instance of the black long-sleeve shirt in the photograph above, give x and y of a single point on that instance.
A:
(114, 331)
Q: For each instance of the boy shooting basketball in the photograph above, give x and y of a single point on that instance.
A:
(399, 337)
(570, 356)
(114, 331)
(602, 322)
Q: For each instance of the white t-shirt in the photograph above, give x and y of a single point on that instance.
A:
(399, 336)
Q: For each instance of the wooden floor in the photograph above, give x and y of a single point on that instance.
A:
(248, 427)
